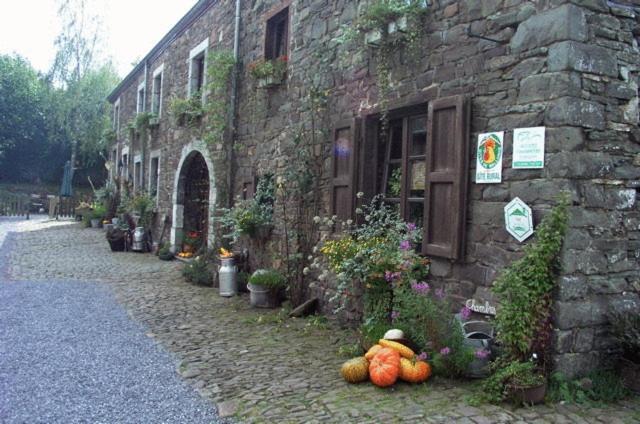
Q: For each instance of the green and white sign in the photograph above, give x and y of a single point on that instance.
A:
(489, 157)
(518, 219)
(528, 148)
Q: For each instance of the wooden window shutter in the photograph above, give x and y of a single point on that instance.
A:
(446, 177)
(368, 159)
(343, 170)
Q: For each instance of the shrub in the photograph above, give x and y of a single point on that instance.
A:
(600, 386)
(268, 278)
(164, 253)
(197, 271)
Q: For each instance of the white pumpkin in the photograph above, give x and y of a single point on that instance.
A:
(394, 334)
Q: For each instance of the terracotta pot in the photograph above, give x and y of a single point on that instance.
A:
(527, 395)
(630, 374)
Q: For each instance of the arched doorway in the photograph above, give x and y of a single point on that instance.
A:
(191, 207)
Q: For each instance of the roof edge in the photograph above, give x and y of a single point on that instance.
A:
(194, 13)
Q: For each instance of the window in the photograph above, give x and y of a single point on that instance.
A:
(116, 117)
(277, 35)
(197, 67)
(154, 174)
(113, 158)
(140, 101)
(420, 164)
(156, 91)
(137, 174)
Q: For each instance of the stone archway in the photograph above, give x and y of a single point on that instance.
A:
(194, 195)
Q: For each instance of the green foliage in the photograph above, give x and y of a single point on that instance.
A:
(626, 329)
(395, 182)
(265, 68)
(267, 278)
(380, 12)
(220, 65)
(350, 350)
(99, 212)
(249, 215)
(164, 253)
(197, 271)
(524, 288)
(142, 205)
(600, 386)
(187, 112)
(495, 389)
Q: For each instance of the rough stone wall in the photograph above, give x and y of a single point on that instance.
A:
(568, 65)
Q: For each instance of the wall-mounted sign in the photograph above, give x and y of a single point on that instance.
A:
(481, 308)
(518, 219)
(528, 148)
(489, 157)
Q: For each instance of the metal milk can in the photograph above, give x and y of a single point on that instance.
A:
(139, 240)
(227, 277)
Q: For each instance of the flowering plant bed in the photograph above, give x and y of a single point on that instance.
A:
(269, 73)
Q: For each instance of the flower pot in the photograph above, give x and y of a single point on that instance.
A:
(95, 223)
(527, 395)
(373, 37)
(398, 26)
(262, 297)
(268, 82)
(115, 221)
(630, 374)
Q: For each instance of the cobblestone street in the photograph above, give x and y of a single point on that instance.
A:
(256, 365)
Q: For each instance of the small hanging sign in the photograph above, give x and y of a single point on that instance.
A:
(481, 308)
(489, 157)
(518, 219)
(528, 148)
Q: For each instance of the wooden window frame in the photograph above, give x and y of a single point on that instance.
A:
(278, 14)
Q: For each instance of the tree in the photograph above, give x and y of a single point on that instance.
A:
(22, 119)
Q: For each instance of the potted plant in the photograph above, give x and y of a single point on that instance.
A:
(264, 287)
(164, 253)
(269, 72)
(97, 215)
(626, 330)
(389, 17)
(191, 242)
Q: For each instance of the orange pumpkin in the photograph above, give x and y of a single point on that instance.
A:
(414, 371)
(384, 368)
(372, 352)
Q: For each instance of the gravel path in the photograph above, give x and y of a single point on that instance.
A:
(69, 353)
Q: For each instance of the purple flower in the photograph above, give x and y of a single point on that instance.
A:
(411, 226)
(482, 353)
(440, 294)
(465, 313)
(421, 288)
(445, 351)
(394, 315)
(391, 276)
(405, 245)
(423, 356)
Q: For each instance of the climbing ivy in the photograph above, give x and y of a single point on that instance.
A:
(220, 64)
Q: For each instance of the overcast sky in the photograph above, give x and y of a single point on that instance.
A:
(131, 28)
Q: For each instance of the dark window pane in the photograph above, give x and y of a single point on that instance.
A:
(415, 212)
(418, 134)
(396, 140)
(394, 180)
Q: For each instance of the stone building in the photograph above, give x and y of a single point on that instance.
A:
(570, 66)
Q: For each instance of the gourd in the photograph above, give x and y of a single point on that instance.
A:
(355, 370)
(403, 350)
(384, 368)
(372, 352)
(393, 334)
(414, 371)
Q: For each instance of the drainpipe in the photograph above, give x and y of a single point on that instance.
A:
(234, 101)
(144, 142)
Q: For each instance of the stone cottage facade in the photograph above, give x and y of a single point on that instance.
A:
(488, 66)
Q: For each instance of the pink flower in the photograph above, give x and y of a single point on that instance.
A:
(482, 353)
(405, 245)
(440, 294)
(465, 313)
(423, 356)
(411, 226)
(445, 351)
(421, 288)
(391, 276)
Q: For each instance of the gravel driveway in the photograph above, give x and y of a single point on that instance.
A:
(69, 353)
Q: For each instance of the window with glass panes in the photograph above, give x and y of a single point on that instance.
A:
(403, 155)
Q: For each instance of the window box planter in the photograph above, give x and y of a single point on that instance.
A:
(373, 37)
(398, 26)
(154, 122)
(270, 81)
(527, 395)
